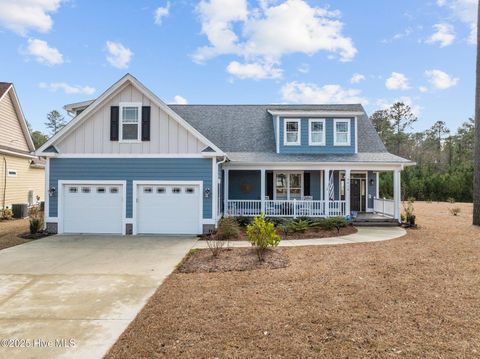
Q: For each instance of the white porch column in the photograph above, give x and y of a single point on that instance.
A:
(397, 190)
(225, 192)
(347, 191)
(377, 192)
(262, 190)
(326, 182)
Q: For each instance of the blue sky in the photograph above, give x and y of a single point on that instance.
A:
(233, 51)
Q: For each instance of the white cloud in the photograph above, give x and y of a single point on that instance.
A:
(274, 29)
(66, 88)
(356, 78)
(444, 35)
(423, 89)
(179, 100)
(21, 16)
(161, 12)
(43, 53)
(256, 71)
(298, 92)
(466, 12)
(397, 81)
(440, 80)
(118, 56)
(304, 68)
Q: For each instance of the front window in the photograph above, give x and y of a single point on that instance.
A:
(317, 132)
(288, 186)
(129, 122)
(292, 132)
(342, 133)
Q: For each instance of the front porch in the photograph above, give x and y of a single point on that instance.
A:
(307, 193)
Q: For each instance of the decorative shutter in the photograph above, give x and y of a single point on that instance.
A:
(114, 122)
(146, 123)
(306, 184)
(269, 179)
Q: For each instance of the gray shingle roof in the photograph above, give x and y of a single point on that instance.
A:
(245, 132)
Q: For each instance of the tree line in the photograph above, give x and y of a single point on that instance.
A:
(444, 157)
(55, 122)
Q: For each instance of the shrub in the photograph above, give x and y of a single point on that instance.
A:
(285, 228)
(36, 219)
(227, 229)
(243, 221)
(337, 222)
(6, 214)
(262, 234)
(451, 200)
(214, 244)
(35, 225)
(408, 210)
(299, 225)
(455, 211)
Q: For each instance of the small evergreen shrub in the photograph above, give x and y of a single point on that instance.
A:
(228, 228)
(35, 225)
(337, 223)
(451, 200)
(6, 214)
(299, 225)
(243, 221)
(262, 234)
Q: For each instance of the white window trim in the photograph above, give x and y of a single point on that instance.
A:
(14, 174)
(310, 142)
(349, 134)
(299, 138)
(139, 130)
(288, 173)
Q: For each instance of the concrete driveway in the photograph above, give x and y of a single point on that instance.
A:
(72, 296)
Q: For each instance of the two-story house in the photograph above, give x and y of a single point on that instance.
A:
(22, 176)
(130, 164)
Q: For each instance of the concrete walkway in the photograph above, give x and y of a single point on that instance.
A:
(364, 234)
(72, 296)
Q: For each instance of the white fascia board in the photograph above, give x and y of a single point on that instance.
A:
(370, 166)
(17, 154)
(307, 113)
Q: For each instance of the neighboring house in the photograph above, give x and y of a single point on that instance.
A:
(129, 163)
(22, 174)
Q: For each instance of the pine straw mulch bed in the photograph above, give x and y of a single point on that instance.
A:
(308, 234)
(412, 297)
(232, 259)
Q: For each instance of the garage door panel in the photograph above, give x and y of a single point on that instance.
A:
(93, 208)
(168, 209)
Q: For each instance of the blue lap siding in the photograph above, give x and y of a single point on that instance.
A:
(329, 147)
(131, 169)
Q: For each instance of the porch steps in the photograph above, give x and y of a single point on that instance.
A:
(376, 222)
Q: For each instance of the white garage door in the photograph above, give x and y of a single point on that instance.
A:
(92, 208)
(168, 209)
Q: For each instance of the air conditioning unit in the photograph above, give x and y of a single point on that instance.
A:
(20, 210)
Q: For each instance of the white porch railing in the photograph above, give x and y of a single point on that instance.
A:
(384, 206)
(285, 208)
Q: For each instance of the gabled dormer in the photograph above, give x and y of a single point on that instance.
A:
(315, 132)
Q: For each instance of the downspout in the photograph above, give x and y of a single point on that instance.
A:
(218, 169)
(4, 183)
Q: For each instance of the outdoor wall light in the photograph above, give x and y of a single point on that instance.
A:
(371, 182)
(51, 191)
(207, 192)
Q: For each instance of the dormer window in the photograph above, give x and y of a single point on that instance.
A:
(316, 132)
(130, 119)
(341, 132)
(292, 132)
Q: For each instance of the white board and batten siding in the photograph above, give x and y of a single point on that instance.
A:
(167, 136)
